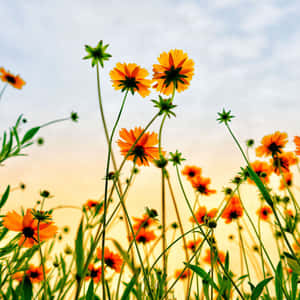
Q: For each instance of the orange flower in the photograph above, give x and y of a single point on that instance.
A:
(16, 81)
(174, 68)
(144, 236)
(191, 171)
(193, 244)
(284, 160)
(143, 222)
(207, 257)
(200, 184)
(131, 77)
(296, 245)
(264, 213)
(28, 226)
(35, 274)
(262, 169)
(184, 275)
(297, 143)
(90, 204)
(286, 180)
(233, 210)
(203, 216)
(289, 213)
(94, 273)
(112, 260)
(272, 144)
(144, 150)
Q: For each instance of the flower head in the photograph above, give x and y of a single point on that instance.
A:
(262, 169)
(93, 204)
(130, 77)
(233, 210)
(204, 216)
(94, 273)
(191, 172)
(287, 180)
(144, 236)
(184, 275)
(165, 106)
(272, 144)
(97, 54)
(144, 150)
(208, 255)
(16, 81)
(33, 273)
(193, 244)
(200, 184)
(264, 213)
(176, 158)
(144, 222)
(297, 143)
(112, 260)
(175, 70)
(283, 161)
(225, 116)
(28, 226)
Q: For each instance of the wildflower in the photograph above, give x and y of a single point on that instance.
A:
(262, 169)
(91, 204)
(272, 144)
(34, 274)
(264, 213)
(174, 225)
(16, 81)
(200, 184)
(297, 143)
(45, 194)
(165, 106)
(227, 191)
(40, 141)
(289, 213)
(233, 210)
(283, 161)
(68, 250)
(97, 54)
(191, 172)
(208, 256)
(225, 117)
(28, 226)
(66, 229)
(130, 77)
(231, 237)
(184, 275)
(175, 70)
(144, 236)
(94, 273)
(193, 244)
(287, 180)
(176, 158)
(144, 151)
(112, 260)
(143, 222)
(22, 186)
(203, 216)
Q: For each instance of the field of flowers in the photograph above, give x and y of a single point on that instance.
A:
(98, 266)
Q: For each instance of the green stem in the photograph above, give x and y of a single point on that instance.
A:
(42, 262)
(54, 121)
(2, 91)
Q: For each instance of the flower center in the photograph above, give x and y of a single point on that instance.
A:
(201, 188)
(10, 79)
(139, 152)
(173, 75)
(233, 215)
(34, 274)
(191, 174)
(274, 148)
(94, 273)
(28, 232)
(109, 262)
(142, 239)
(264, 212)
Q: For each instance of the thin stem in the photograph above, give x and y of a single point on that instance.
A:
(2, 91)
(42, 262)
(54, 121)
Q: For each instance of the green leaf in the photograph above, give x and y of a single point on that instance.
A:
(90, 291)
(294, 286)
(293, 263)
(79, 249)
(279, 281)
(27, 288)
(4, 196)
(259, 288)
(30, 134)
(199, 271)
(129, 286)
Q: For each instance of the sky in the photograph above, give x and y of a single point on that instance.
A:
(247, 59)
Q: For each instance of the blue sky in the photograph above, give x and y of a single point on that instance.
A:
(246, 57)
